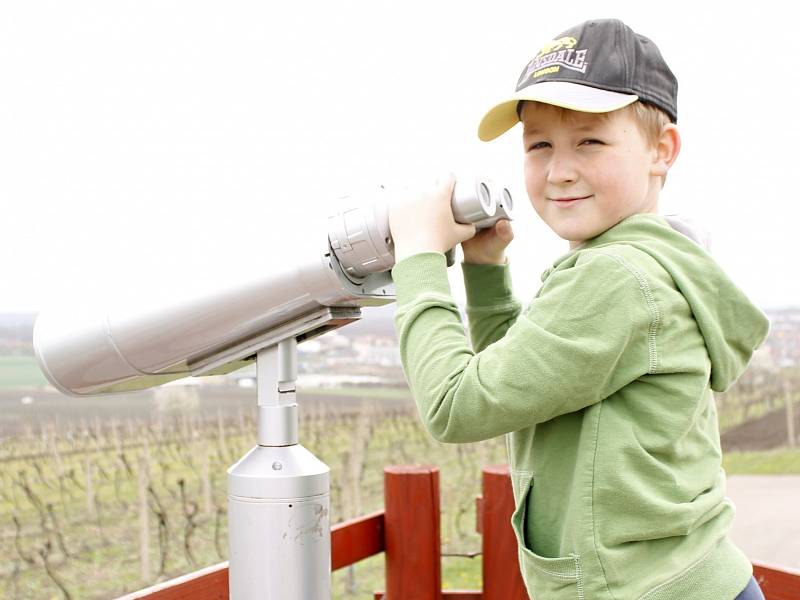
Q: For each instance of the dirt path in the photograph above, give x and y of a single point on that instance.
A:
(767, 523)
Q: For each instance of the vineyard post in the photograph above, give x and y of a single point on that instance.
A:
(90, 506)
(115, 432)
(98, 432)
(144, 524)
(206, 479)
(787, 394)
(146, 446)
(60, 474)
(223, 446)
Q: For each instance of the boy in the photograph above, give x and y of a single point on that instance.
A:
(603, 385)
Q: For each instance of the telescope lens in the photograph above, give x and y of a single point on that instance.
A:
(484, 196)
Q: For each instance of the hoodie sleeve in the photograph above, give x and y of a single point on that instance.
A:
(491, 305)
(590, 331)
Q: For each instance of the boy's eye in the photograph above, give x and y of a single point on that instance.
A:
(590, 141)
(538, 145)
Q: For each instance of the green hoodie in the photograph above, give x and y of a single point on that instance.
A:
(603, 387)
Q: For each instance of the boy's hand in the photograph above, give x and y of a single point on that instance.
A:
(488, 246)
(424, 223)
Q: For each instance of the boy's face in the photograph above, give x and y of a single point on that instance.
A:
(584, 172)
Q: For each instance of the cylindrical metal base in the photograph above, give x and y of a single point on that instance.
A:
(279, 525)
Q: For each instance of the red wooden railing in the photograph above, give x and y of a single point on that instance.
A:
(407, 531)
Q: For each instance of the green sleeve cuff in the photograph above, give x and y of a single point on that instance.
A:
(487, 285)
(420, 273)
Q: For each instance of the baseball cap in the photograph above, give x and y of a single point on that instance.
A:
(598, 66)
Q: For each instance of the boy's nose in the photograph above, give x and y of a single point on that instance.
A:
(561, 169)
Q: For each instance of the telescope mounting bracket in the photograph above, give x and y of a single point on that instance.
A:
(302, 328)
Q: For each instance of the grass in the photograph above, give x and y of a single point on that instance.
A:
(458, 573)
(772, 462)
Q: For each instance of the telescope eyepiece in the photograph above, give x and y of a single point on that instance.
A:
(507, 201)
(359, 234)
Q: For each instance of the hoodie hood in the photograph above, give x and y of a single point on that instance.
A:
(690, 229)
(732, 326)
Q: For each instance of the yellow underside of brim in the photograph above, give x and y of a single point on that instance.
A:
(503, 116)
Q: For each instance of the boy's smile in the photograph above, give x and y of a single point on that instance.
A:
(586, 172)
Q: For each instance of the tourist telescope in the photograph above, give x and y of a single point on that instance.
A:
(278, 493)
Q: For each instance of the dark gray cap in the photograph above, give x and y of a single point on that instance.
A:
(597, 66)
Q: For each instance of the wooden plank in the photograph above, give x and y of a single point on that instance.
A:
(777, 584)
(356, 540)
(446, 595)
(501, 575)
(411, 523)
(210, 583)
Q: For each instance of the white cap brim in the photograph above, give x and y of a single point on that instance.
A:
(573, 96)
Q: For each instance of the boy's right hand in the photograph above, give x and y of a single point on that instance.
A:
(488, 246)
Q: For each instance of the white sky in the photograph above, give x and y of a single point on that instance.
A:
(148, 141)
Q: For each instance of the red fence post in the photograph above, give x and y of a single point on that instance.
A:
(411, 524)
(501, 576)
(777, 584)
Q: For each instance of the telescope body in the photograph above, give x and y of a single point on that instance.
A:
(217, 330)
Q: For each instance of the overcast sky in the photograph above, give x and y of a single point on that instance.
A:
(148, 142)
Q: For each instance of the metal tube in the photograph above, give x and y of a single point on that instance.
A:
(276, 368)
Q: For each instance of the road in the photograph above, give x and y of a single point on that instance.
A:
(767, 523)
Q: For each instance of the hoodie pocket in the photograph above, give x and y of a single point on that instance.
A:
(546, 578)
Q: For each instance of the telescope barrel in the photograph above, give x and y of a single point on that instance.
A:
(137, 347)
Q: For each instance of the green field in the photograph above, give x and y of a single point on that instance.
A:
(20, 372)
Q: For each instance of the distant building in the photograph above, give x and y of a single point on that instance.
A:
(783, 341)
(377, 350)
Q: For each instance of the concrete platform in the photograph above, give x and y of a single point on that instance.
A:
(767, 523)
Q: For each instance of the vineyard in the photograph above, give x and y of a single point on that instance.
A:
(94, 507)
(758, 412)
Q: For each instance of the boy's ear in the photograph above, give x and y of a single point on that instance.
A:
(666, 150)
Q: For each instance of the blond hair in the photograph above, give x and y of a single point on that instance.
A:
(650, 119)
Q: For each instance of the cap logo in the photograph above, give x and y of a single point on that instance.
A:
(554, 55)
(564, 42)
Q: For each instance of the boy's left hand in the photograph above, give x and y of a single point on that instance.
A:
(424, 223)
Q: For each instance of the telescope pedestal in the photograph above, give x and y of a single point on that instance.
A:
(279, 525)
(279, 492)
